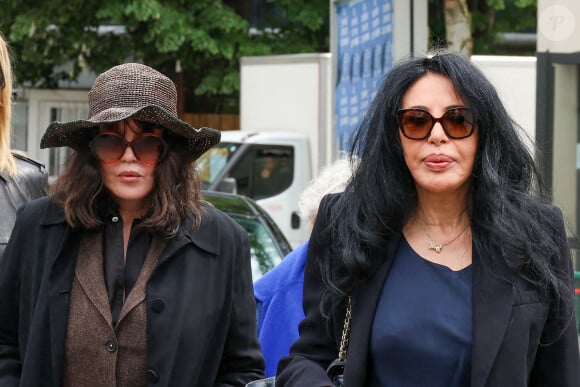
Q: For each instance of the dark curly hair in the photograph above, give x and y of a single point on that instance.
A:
(176, 193)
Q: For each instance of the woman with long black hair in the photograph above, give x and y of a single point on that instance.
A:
(457, 269)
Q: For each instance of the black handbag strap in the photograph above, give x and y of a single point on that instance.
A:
(345, 332)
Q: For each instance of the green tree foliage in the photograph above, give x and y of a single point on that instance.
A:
(490, 18)
(54, 40)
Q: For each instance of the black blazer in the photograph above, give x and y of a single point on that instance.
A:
(509, 319)
(201, 319)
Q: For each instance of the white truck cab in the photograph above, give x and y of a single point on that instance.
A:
(272, 168)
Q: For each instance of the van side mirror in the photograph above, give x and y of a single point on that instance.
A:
(295, 220)
(229, 185)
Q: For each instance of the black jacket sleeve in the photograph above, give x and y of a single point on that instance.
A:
(557, 360)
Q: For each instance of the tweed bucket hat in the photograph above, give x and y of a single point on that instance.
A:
(130, 90)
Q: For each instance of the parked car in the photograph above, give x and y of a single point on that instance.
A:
(267, 243)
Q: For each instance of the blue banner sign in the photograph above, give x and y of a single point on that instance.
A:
(365, 40)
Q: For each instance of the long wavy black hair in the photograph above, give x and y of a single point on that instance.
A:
(505, 188)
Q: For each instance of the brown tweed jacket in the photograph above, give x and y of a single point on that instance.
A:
(98, 354)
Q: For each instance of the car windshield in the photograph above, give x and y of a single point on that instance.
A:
(265, 254)
(212, 163)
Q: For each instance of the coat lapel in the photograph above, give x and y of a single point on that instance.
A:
(139, 293)
(493, 299)
(365, 300)
(90, 273)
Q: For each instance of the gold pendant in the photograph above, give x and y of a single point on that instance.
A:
(435, 246)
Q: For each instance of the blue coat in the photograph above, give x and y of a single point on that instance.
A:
(279, 298)
(201, 325)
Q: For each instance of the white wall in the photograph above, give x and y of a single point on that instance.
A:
(565, 159)
(401, 28)
(515, 80)
(72, 103)
(558, 26)
(290, 93)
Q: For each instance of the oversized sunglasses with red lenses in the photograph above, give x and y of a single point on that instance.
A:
(417, 124)
(109, 147)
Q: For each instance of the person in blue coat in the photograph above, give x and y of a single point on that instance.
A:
(279, 292)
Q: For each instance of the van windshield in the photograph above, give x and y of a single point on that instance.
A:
(212, 163)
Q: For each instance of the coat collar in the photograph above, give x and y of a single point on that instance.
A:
(53, 214)
(206, 236)
(493, 298)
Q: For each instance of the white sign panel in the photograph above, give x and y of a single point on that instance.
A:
(559, 26)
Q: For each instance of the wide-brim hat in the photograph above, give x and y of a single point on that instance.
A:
(136, 91)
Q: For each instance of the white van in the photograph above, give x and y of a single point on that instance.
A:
(272, 168)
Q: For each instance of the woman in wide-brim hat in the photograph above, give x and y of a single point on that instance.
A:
(123, 276)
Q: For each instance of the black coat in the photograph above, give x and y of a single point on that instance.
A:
(509, 318)
(201, 321)
(29, 183)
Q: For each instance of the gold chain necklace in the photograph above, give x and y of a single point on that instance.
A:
(437, 247)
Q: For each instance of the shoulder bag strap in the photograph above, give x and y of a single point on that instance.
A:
(345, 332)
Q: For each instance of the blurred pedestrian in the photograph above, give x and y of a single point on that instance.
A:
(123, 276)
(442, 253)
(21, 178)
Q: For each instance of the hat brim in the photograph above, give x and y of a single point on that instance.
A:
(77, 134)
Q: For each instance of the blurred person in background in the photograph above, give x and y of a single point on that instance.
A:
(279, 292)
(123, 276)
(21, 178)
(450, 263)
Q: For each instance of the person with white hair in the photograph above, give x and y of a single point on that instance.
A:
(279, 292)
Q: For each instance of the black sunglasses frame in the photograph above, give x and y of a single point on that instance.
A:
(434, 120)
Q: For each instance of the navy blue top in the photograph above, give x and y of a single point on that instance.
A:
(421, 334)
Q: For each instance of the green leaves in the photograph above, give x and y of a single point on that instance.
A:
(144, 10)
(57, 39)
(490, 19)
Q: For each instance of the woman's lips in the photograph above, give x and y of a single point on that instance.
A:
(129, 176)
(438, 162)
